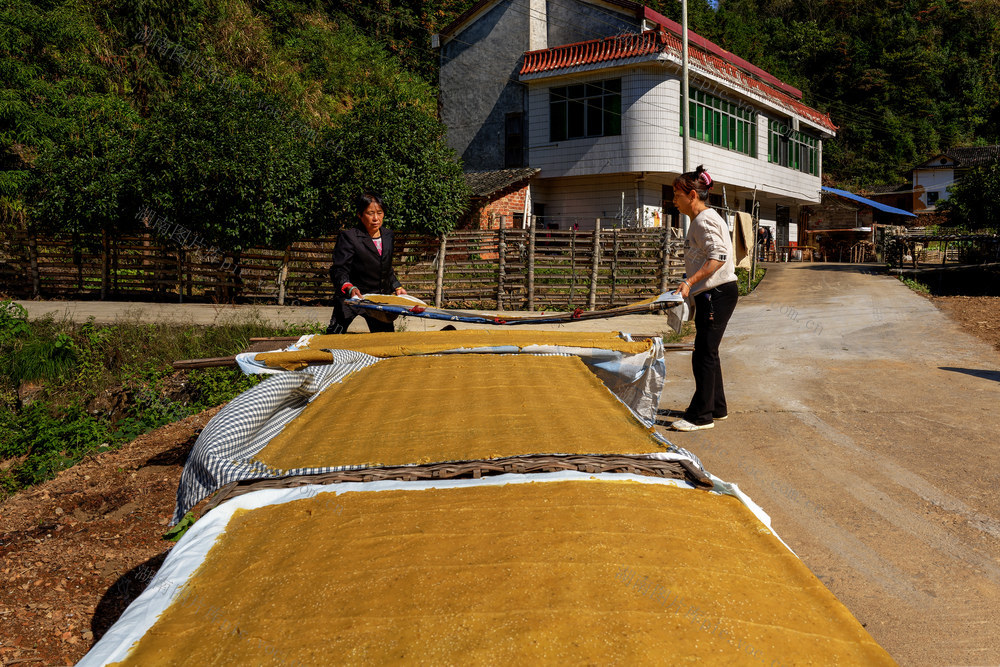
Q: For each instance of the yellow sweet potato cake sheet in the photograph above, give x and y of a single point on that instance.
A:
(421, 342)
(569, 572)
(456, 407)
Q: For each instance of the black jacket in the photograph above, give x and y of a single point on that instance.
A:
(356, 260)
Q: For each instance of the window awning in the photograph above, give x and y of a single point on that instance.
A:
(868, 202)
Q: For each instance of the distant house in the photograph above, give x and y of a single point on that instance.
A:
(932, 178)
(844, 219)
(589, 91)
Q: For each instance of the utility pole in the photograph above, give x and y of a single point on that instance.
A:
(685, 107)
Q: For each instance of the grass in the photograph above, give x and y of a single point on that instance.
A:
(915, 285)
(743, 278)
(56, 377)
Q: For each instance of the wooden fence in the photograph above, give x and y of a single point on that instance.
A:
(490, 269)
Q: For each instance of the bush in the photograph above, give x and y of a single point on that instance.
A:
(76, 364)
(743, 277)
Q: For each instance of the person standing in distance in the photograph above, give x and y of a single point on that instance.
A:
(362, 264)
(711, 282)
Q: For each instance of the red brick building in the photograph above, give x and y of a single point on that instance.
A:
(501, 197)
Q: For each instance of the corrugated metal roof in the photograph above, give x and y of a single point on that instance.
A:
(868, 202)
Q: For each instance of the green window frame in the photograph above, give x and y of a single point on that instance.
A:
(792, 149)
(585, 110)
(722, 123)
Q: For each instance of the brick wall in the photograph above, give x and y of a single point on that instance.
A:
(506, 206)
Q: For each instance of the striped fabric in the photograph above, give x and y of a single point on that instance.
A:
(225, 449)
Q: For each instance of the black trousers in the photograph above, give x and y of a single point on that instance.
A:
(713, 308)
(340, 321)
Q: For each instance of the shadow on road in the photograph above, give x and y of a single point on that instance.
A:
(868, 269)
(986, 375)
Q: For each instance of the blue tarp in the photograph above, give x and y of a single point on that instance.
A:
(868, 202)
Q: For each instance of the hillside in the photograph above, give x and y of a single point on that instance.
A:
(217, 111)
(232, 113)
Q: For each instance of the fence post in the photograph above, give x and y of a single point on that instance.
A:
(439, 287)
(594, 262)
(180, 274)
(614, 264)
(36, 281)
(502, 268)
(665, 261)
(572, 265)
(105, 268)
(283, 275)
(531, 263)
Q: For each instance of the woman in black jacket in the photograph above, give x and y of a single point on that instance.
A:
(362, 264)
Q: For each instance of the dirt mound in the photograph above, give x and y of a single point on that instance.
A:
(978, 315)
(76, 550)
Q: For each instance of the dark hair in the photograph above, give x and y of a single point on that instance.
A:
(366, 199)
(697, 180)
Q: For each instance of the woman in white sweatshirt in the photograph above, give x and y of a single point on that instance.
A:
(711, 282)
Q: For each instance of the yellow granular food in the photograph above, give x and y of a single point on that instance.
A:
(573, 572)
(294, 361)
(394, 344)
(422, 342)
(458, 407)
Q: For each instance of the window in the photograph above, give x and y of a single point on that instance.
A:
(585, 110)
(932, 197)
(792, 149)
(722, 123)
(513, 140)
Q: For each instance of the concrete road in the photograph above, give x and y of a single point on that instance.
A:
(865, 423)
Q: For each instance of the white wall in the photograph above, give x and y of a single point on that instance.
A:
(651, 141)
(933, 180)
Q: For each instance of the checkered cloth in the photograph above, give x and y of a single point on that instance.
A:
(225, 449)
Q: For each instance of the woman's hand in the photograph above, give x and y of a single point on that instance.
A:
(400, 291)
(355, 292)
(684, 289)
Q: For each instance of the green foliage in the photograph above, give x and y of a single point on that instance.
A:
(403, 26)
(743, 279)
(215, 386)
(40, 360)
(915, 285)
(177, 532)
(85, 183)
(397, 149)
(902, 80)
(129, 362)
(207, 111)
(14, 326)
(974, 202)
(232, 163)
(46, 440)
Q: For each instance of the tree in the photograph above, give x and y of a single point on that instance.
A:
(229, 165)
(393, 147)
(86, 184)
(974, 201)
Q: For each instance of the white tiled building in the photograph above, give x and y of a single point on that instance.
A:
(589, 92)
